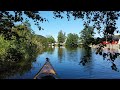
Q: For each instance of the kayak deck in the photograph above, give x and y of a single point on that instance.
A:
(46, 71)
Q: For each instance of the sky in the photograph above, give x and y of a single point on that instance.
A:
(55, 25)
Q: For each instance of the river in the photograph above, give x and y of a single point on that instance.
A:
(66, 62)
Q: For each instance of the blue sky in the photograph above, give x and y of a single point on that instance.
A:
(55, 25)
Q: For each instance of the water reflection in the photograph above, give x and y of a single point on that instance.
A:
(114, 67)
(86, 56)
(72, 54)
(81, 62)
(110, 55)
(60, 54)
(50, 50)
(12, 68)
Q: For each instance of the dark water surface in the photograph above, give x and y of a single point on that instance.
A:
(67, 64)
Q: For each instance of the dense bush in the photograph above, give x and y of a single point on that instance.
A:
(24, 46)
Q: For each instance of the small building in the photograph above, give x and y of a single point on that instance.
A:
(115, 42)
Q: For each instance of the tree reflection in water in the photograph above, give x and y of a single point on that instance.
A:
(86, 57)
(109, 55)
(72, 54)
(50, 50)
(60, 54)
(12, 68)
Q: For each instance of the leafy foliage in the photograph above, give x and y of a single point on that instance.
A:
(86, 36)
(99, 18)
(50, 39)
(17, 16)
(72, 40)
(61, 37)
(18, 53)
(24, 48)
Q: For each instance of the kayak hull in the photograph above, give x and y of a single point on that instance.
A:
(46, 72)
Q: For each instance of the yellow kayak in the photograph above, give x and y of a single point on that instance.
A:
(46, 72)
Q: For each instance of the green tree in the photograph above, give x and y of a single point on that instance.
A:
(86, 36)
(22, 46)
(61, 37)
(50, 39)
(43, 40)
(72, 40)
(8, 19)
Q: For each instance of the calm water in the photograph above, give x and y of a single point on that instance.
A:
(67, 64)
